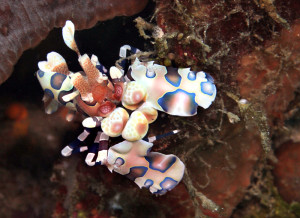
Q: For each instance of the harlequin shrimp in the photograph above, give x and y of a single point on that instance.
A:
(144, 88)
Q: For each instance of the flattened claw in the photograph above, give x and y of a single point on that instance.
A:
(157, 172)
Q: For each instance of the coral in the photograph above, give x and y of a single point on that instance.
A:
(25, 165)
(275, 70)
(222, 172)
(287, 171)
(23, 24)
(263, 200)
(254, 60)
(16, 111)
(19, 114)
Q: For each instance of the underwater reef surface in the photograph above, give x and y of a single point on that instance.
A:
(241, 154)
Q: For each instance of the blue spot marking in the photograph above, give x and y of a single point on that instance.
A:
(161, 192)
(167, 184)
(41, 73)
(150, 74)
(151, 160)
(208, 88)
(192, 75)
(135, 172)
(49, 92)
(101, 68)
(173, 79)
(57, 80)
(148, 183)
(167, 98)
(134, 50)
(119, 158)
(209, 78)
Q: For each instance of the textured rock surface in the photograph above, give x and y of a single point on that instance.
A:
(28, 151)
(251, 49)
(271, 74)
(287, 171)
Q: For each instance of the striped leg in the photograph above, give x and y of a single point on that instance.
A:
(126, 51)
(92, 122)
(74, 147)
(98, 150)
(98, 65)
(117, 74)
(154, 138)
